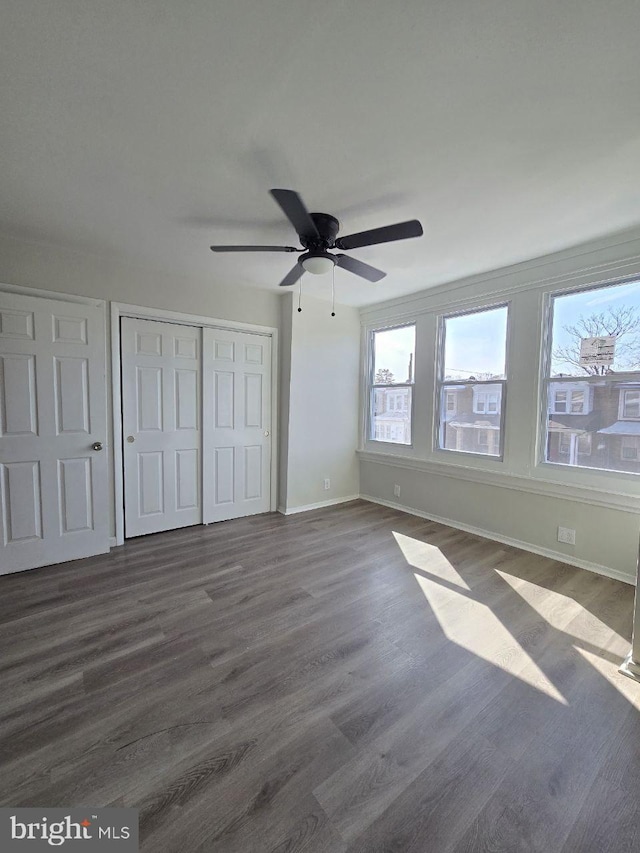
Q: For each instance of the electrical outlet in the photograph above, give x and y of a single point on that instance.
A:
(327, 483)
(567, 535)
(396, 490)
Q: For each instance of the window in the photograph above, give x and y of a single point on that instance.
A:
(593, 379)
(560, 404)
(631, 404)
(486, 399)
(571, 442)
(570, 398)
(472, 381)
(392, 384)
(577, 402)
(629, 449)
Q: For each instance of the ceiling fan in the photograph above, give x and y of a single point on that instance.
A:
(318, 232)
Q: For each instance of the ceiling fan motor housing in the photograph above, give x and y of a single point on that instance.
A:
(328, 227)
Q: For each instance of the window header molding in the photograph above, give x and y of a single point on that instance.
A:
(612, 263)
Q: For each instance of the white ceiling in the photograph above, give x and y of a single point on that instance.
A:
(145, 131)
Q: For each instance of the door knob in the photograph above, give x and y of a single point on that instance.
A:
(97, 445)
(266, 432)
(130, 439)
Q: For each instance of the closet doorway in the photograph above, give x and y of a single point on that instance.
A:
(195, 428)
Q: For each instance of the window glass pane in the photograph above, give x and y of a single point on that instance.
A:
(471, 424)
(577, 402)
(631, 405)
(391, 415)
(393, 352)
(612, 311)
(603, 432)
(475, 345)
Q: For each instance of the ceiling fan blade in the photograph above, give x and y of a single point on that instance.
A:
(292, 276)
(387, 234)
(254, 249)
(295, 211)
(359, 268)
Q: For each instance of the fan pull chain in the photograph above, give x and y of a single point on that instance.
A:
(300, 294)
(333, 291)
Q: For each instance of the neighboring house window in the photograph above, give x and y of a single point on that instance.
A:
(631, 404)
(486, 399)
(570, 398)
(577, 402)
(560, 402)
(472, 381)
(629, 449)
(582, 443)
(391, 384)
(593, 379)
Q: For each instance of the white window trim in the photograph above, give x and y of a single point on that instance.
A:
(442, 385)
(576, 475)
(368, 429)
(529, 287)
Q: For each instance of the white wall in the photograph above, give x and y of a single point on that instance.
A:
(606, 539)
(65, 271)
(517, 500)
(320, 376)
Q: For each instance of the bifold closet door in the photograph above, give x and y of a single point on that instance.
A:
(161, 417)
(237, 424)
(53, 432)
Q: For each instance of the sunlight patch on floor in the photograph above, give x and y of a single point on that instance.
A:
(429, 558)
(608, 669)
(473, 626)
(468, 622)
(554, 606)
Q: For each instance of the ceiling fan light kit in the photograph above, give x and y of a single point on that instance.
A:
(317, 263)
(318, 232)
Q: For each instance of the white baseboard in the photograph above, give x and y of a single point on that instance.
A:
(507, 540)
(331, 502)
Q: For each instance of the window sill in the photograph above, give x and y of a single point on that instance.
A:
(537, 485)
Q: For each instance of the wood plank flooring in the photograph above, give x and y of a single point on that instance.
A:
(348, 680)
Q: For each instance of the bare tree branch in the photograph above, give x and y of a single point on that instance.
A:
(623, 323)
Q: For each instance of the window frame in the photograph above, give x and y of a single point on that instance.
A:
(585, 473)
(627, 445)
(623, 404)
(373, 386)
(442, 386)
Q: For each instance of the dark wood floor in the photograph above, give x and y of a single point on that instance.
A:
(349, 679)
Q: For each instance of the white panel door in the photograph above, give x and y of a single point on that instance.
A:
(161, 418)
(53, 483)
(237, 424)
